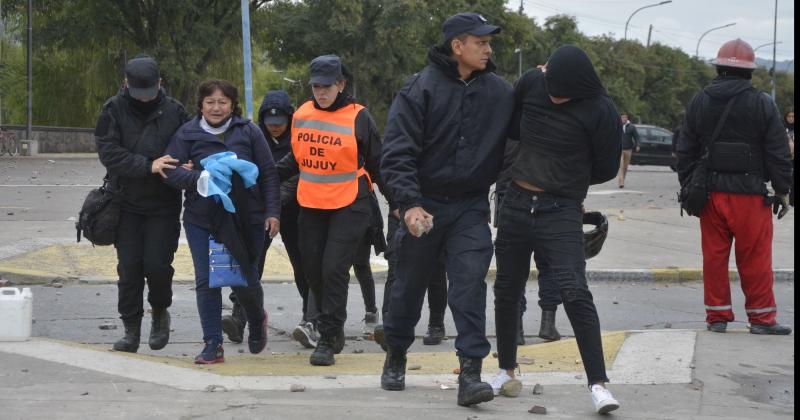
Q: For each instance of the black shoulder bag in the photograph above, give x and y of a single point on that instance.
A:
(694, 193)
(99, 216)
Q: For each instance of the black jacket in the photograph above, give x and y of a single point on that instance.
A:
(630, 137)
(444, 137)
(193, 143)
(754, 119)
(369, 148)
(281, 146)
(564, 148)
(128, 142)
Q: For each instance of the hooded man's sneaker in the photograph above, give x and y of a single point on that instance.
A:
(603, 401)
(503, 384)
(306, 334)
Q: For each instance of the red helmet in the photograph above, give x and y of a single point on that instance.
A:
(736, 53)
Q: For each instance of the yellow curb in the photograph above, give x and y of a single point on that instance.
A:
(557, 356)
(85, 260)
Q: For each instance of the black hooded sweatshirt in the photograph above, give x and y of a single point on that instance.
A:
(565, 147)
(754, 119)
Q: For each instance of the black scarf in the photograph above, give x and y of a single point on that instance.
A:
(144, 108)
(570, 74)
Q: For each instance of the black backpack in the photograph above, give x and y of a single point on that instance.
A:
(99, 216)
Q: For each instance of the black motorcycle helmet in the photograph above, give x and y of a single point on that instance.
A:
(593, 239)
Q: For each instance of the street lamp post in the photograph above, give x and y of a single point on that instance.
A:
(764, 45)
(697, 50)
(774, 45)
(641, 8)
(519, 51)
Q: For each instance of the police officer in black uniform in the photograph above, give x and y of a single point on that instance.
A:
(442, 151)
(132, 132)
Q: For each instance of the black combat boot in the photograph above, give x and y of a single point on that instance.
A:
(470, 388)
(394, 371)
(130, 343)
(548, 329)
(338, 341)
(323, 354)
(379, 336)
(233, 324)
(159, 329)
(435, 333)
(434, 336)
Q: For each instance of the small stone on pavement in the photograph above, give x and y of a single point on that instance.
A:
(537, 409)
(297, 388)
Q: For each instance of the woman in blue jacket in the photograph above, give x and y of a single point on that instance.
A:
(218, 128)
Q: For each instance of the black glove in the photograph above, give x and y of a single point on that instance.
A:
(780, 204)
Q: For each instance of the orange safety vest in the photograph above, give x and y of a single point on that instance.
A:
(325, 148)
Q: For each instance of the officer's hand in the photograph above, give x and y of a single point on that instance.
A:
(164, 162)
(396, 214)
(417, 219)
(273, 226)
(188, 165)
(637, 149)
(780, 206)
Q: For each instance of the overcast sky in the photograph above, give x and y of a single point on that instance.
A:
(680, 23)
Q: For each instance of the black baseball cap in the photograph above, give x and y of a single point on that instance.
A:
(275, 116)
(325, 70)
(142, 74)
(467, 23)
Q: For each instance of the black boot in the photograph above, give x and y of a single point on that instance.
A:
(338, 341)
(323, 354)
(257, 339)
(776, 329)
(159, 329)
(470, 388)
(394, 371)
(548, 329)
(434, 336)
(435, 333)
(379, 336)
(233, 324)
(130, 343)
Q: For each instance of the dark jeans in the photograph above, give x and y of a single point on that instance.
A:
(145, 246)
(328, 241)
(363, 274)
(437, 280)
(209, 300)
(460, 233)
(551, 228)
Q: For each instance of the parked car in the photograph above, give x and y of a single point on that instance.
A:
(655, 147)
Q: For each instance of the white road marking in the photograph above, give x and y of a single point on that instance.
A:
(50, 185)
(610, 192)
(646, 357)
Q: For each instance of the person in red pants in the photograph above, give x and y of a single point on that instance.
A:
(748, 150)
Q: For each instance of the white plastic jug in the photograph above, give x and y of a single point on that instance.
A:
(16, 313)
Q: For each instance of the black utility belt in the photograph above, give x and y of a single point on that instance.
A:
(731, 157)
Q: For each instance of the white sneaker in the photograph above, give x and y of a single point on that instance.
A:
(306, 334)
(498, 381)
(370, 322)
(604, 402)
